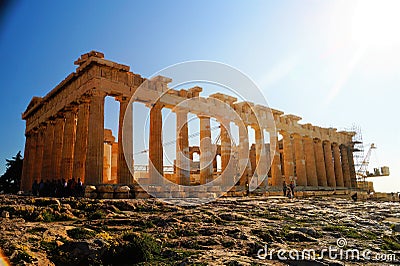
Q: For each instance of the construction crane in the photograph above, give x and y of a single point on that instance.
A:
(363, 172)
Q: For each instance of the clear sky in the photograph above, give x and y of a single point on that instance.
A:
(334, 63)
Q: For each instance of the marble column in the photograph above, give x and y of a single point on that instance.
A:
(300, 160)
(244, 162)
(33, 159)
(225, 153)
(155, 143)
(261, 156)
(288, 157)
(125, 115)
(353, 179)
(330, 172)
(58, 146)
(114, 162)
(67, 157)
(276, 167)
(311, 167)
(182, 147)
(345, 166)
(81, 140)
(39, 152)
(206, 151)
(26, 176)
(95, 143)
(320, 163)
(337, 165)
(47, 165)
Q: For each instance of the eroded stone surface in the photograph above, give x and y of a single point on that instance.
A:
(229, 231)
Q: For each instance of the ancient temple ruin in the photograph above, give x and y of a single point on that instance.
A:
(65, 136)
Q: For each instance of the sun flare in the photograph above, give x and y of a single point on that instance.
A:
(376, 23)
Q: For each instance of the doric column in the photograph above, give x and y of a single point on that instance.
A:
(95, 143)
(300, 160)
(114, 161)
(338, 165)
(288, 157)
(182, 147)
(81, 140)
(155, 142)
(312, 179)
(47, 166)
(206, 151)
(276, 167)
(39, 152)
(215, 164)
(225, 152)
(244, 162)
(125, 111)
(261, 156)
(330, 172)
(107, 162)
(353, 179)
(29, 158)
(57, 146)
(320, 163)
(67, 157)
(345, 166)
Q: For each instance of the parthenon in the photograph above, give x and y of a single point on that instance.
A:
(65, 136)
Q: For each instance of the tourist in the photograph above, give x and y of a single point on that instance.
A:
(284, 188)
(291, 189)
(35, 188)
(41, 188)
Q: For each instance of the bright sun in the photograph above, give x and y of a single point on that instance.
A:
(377, 23)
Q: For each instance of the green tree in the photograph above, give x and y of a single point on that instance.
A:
(10, 181)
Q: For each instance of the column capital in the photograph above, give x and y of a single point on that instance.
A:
(96, 93)
(71, 108)
(122, 98)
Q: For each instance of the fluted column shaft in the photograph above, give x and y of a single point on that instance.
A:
(300, 160)
(57, 147)
(353, 179)
(276, 167)
(320, 163)
(330, 172)
(67, 157)
(225, 152)
(182, 148)
(81, 140)
(345, 166)
(155, 143)
(125, 115)
(206, 154)
(39, 153)
(288, 157)
(48, 152)
(244, 162)
(338, 165)
(261, 155)
(29, 153)
(95, 144)
(311, 167)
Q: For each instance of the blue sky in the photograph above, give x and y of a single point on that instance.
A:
(334, 63)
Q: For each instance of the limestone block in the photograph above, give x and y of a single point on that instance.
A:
(91, 195)
(122, 189)
(105, 189)
(89, 189)
(105, 195)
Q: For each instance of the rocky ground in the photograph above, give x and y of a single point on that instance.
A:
(230, 231)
